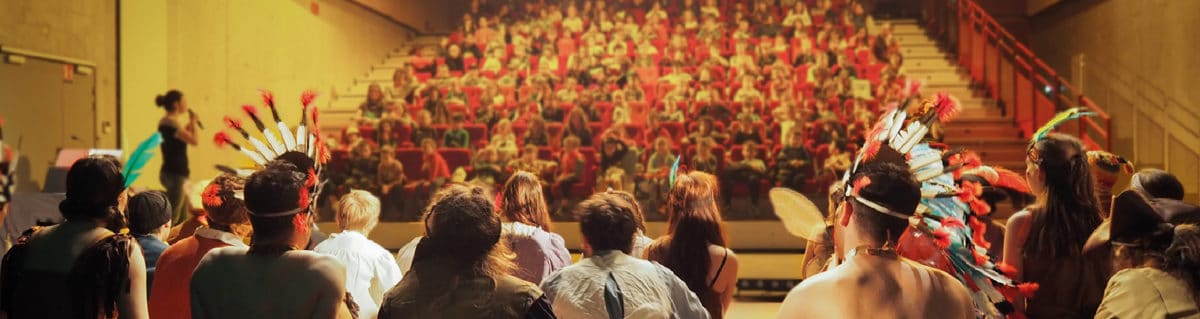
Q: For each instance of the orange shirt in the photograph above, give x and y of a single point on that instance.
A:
(169, 294)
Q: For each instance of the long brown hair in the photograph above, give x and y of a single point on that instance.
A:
(521, 201)
(1182, 258)
(694, 222)
(1066, 210)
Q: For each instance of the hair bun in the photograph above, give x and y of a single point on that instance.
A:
(160, 100)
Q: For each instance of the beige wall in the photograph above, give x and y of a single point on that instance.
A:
(426, 16)
(220, 52)
(83, 30)
(1140, 66)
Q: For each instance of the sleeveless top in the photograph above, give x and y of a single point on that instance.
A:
(710, 298)
(174, 150)
(98, 277)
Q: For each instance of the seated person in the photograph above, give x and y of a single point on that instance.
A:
(749, 171)
(530, 162)
(362, 167)
(704, 160)
(837, 162)
(492, 113)
(374, 108)
(372, 268)
(389, 175)
(536, 135)
(618, 162)
(434, 166)
(487, 168)
(240, 282)
(671, 111)
(435, 104)
(386, 135)
(456, 136)
(793, 165)
(424, 129)
(658, 167)
(503, 140)
(873, 279)
(647, 289)
(149, 215)
(744, 131)
(571, 166)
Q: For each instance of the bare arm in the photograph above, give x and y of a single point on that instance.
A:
(187, 134)
(727, 279)
(132, 304)
(1017, 232)
(330, 303)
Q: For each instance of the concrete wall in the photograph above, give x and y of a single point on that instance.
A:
(1140, 66)
(84, 30)
(425, 16)
(220, 52)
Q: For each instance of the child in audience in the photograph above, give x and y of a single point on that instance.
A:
(362, 166)
(487, 167)
(618, 162)
(389, 176)
(149, 215)
(537, 135)
(658, 167)
(749, 171)
(577, 126)
(530, 162)
(370, 267)
(704, 160)
(704, 129)
(503, 140)
(492, 113)
(387, 132)
(424, 129)
(620, 109)
(671, 111)
(838, 161)
(456, 136)
(793, 165)
(571, 166)
(434, 166)
(745, 131)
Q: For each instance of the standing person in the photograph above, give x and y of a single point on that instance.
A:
(1161, 262)
(79, 268)
(526, 224)
(1044, 242)
(228, 225)
(370, 269)
(459, 268)
(177, 135)
(644, 289)
(874, 281)
(149, 216)
(245, 282)
(695, 247)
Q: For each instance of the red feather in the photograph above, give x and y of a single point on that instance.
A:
(980, 207)
(1028, 289)
(1006, 269)
(942, 237)
(978, 230)
(314, 115)
(304, 199)
(1, 121)
(250, 109)
(212, 195)
(1011, 180)
(946, 106)
(860, 184)
(268, 97)
(221, 139)
(233, 123)
(871, 149)
(952, 222)
(308, 97)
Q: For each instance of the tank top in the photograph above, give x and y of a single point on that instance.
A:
(174, 150)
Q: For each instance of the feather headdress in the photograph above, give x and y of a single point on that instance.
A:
(139, 158)
(300, 147)
(1059, 119)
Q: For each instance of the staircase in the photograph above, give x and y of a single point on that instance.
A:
(981, 127)
(346, 99)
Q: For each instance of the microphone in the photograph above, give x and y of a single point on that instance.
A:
(192, 114)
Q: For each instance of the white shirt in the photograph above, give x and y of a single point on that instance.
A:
(648, 289)
(370, 269)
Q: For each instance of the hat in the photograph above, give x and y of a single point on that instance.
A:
(1112, 172)
(1134, 221)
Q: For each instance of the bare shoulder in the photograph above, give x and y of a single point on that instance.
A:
(1020, 219)
(806, 298)
(317, 261)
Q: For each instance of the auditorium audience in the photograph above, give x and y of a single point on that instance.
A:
(695, 246)
(228, 225)
(245, 282)
(80, 268)
(149, 215)
(459, 269)
(1044, 242)
(749, 171)
(370, 269)
(526, 227)
(374, 108)
(456, 136)
(433, 166)
(645, 289)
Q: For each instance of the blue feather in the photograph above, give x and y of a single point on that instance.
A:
(674, 172)
(139, 158)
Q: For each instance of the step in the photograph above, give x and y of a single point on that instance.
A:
(921, 51)
(929, 62)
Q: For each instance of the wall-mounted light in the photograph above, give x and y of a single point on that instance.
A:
(14, 59)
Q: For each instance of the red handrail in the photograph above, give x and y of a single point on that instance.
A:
(983, 46)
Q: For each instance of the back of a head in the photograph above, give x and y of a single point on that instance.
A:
(1157, 183)
(636, 208)
(1183, 257)
(607, 222)
(694, 222)
(891, 186)
(222, 201)
(94, 185)
(147, 212)
(1067, 209)
(522, 201)
(462, 227)
(273, 191)
(358, 211)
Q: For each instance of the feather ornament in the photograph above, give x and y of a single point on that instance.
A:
(140, 156)
(1059, 119)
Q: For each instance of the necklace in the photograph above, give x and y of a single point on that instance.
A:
(887, 252)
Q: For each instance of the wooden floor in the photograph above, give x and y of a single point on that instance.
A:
(752, 309)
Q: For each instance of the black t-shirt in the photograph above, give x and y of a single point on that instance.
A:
(174, 150)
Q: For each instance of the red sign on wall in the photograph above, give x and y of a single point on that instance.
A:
(315, 7)
(68, 72)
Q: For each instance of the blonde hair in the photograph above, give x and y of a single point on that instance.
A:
(358, 211)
